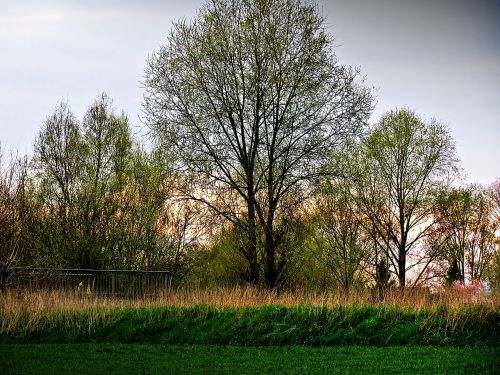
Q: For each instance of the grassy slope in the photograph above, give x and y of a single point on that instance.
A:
(265, 325)
(194, 359)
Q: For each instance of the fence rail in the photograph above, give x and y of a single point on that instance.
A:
(130, 283)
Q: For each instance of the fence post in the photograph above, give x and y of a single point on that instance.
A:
(168, 280)
(113, 282)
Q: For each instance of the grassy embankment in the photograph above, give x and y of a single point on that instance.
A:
(245, 317)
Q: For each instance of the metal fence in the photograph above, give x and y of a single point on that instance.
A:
(129, 283)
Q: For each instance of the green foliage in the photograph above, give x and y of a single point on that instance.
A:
(102, 201)
(306, 272)
(221, 264)
(342, 243)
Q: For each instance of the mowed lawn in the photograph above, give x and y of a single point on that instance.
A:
(197, 359)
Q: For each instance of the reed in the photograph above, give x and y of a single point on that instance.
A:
(47, 300)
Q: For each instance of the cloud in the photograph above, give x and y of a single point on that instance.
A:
(21, 27)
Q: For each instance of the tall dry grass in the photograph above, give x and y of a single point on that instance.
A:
(54, 300)
(24, 311)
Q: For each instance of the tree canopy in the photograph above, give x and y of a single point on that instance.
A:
(250, 97)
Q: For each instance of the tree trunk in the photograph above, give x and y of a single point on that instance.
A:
(402, 266)
(271, 272)
(251, 255)
(251, 251)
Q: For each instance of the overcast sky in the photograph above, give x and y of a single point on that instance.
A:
(440, 58)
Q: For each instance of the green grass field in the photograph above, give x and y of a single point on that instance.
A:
(195, 359)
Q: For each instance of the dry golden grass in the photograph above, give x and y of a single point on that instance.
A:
(28, 311)
(54, 300)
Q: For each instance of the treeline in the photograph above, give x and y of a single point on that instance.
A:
(263, 171)
(387, 209)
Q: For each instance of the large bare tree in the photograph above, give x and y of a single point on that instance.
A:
(249, 98)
